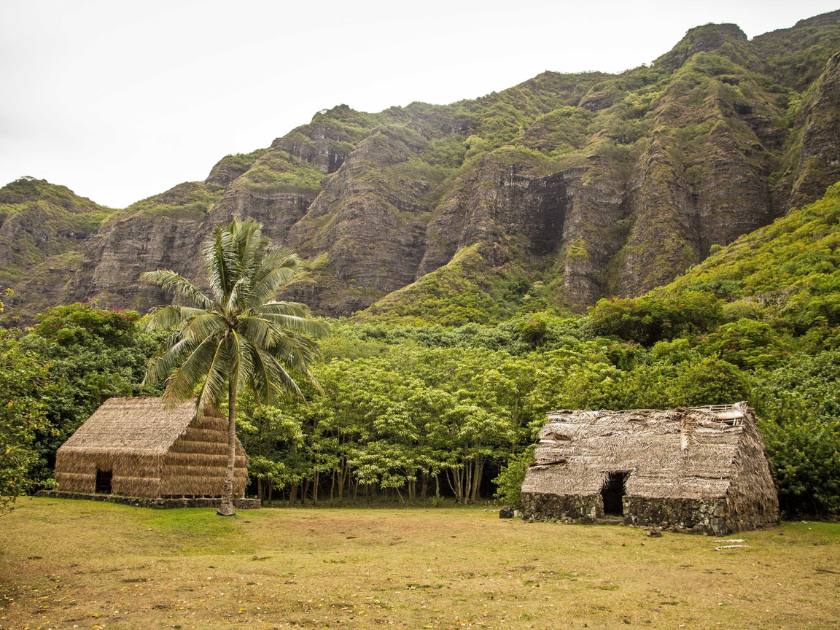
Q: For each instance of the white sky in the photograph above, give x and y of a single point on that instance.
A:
(121, 100)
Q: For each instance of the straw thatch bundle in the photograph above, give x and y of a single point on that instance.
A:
(702, 468)
(150, 451)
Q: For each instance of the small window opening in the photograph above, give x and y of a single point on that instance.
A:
(613, 493)
(103, 481)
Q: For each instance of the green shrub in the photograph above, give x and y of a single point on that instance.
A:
(23, 379)
(706, 382)
(77, 323)
(511, 476)
(747, 343)
(799, 404)
(647, 320)
(805, 457)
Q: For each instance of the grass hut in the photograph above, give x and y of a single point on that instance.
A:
(701, 469)
(135, 447)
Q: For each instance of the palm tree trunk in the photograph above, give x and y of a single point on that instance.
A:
(227, 509)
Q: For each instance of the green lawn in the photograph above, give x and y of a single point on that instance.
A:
(68, 564)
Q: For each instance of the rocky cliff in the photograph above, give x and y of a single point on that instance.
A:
(556, 192)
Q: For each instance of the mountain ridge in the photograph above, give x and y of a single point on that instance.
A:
(558, 191)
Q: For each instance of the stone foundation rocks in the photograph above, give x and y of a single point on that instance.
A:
(713, 517)
(683, 514)
(552, 506)
(150, 502)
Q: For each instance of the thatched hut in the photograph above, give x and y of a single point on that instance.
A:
(701, 469)
(136, 447)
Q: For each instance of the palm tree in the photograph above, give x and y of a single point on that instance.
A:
(238, 336)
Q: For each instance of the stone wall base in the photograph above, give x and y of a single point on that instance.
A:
(555, 506)
(150, 502)
(685, 515)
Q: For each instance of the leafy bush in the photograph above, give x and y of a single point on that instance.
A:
(747, 343)
(79, 324)
(511, 476)
(799, 404)
(647, 320)
(23, 379)
(707, 382)
(90, 355)
(805, 456)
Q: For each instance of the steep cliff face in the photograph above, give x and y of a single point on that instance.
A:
(558, 191)
(819, 152)
(703, 178)
(158, 232)
(43, 230)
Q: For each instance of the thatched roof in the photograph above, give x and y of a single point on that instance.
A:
(135, 425)
(681, 453)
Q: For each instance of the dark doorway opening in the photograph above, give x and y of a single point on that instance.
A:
(613, 492)
(103, 481)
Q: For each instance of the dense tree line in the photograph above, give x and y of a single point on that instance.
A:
(417, 413)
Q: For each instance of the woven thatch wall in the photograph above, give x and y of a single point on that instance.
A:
(151, 451)
(134, 474)
(697, 465)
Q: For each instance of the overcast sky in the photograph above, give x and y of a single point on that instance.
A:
(121, 100)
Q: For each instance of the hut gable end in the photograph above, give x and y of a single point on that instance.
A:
(196, 463)
(699, 465)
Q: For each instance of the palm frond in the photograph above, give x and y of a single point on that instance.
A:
(239, 290)
(203, 325)
(294, 351)
(161, 366)
(278, 267)
(254, 371)
(251, 247)
(216, 371)
(258, 331)
(170, 280)
(241, 366)
(183, 381)
(281, 381)
(282, 308)
(262, 377)
(300, 324)
(220, 262)
(170, 316)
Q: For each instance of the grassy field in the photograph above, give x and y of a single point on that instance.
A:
(77, 564)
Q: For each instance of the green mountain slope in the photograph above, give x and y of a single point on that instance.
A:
(42, 229)
(787, 272)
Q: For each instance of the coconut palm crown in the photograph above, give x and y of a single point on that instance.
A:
(239, 335)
